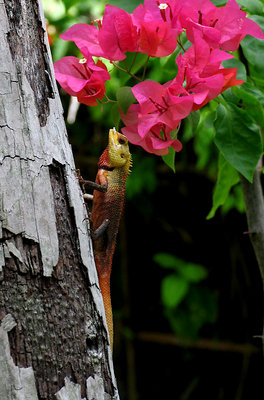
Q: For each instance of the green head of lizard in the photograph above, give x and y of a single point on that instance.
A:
(118, 151)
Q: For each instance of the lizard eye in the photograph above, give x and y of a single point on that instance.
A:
(121, 141)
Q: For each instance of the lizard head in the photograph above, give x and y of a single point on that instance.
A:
(118, 150)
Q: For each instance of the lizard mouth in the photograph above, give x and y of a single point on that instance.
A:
(117, 138)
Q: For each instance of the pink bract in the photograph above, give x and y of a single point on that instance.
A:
(85, 37)
(151, 122)
(156, 107)
(152, 142)
(223, 27)
(155, 36)
(200, 70)
(121, 32)
(167, 11)
(116, 35)
(85, 79)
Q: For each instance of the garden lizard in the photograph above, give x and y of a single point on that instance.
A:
(108, 203)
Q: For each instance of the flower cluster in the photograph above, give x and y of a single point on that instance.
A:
(82, 78)
(154, 29)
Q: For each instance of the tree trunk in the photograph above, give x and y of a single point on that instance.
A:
(253, 196)
(53, 338)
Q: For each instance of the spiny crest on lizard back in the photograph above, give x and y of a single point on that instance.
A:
(117, 154)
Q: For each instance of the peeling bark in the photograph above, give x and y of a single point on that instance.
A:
(15, 382)
(55, 345)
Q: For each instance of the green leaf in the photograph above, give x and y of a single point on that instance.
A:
(128, 6)
(203, 140)
(227, 178)
(234, 200)
(193, 272)
(253, 99)
(194, 118)
(173, 290)
(253, 6)
(167, 260)
(125, 98)
(169, 158)
(198, 309)
(189, 271)
(230, 97)
(253, 49)
(219, 3)
(238, 138)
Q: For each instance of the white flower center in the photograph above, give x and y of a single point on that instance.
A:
(163, 6)
(82, 61)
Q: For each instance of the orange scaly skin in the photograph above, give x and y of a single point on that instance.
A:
(113, 169)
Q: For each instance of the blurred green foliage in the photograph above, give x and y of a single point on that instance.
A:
(187, 304)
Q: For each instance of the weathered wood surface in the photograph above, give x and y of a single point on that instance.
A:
(48, 279)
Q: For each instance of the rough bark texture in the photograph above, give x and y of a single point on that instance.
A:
(53, 323)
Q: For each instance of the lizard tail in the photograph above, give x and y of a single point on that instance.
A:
(104, 282)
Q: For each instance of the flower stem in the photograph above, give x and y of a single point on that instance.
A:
(180, 43)
(127, 71)
(133, 62)
(145, 68)
(107, 100)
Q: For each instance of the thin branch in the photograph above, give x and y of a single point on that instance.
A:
(180, 44)
(127, 71)
(133, 62)
(126, 66)
(207, 344)
(145, 68)
(107, 100)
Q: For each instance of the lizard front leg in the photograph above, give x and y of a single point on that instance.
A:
(94, 185)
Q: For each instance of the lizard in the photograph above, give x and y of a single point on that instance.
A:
(107, 207)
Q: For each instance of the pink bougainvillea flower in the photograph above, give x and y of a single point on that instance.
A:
(223, 27)
(201, 73)
(167, 11)
(85, 37)
(155, 36)
(118, 34)
(153, 142)
(114, 36)
(82, 78)
(157, 108)
(151, 123)
(201, 58)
